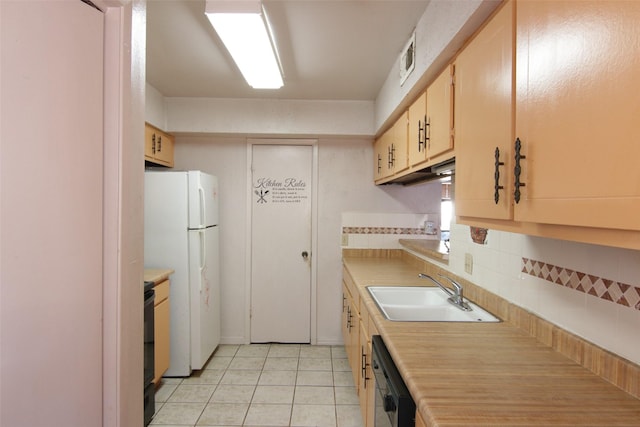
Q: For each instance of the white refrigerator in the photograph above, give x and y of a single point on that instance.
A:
(181, 232)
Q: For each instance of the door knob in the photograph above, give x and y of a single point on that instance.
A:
(305, 255)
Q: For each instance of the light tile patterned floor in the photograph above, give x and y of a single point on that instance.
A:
(263, 385)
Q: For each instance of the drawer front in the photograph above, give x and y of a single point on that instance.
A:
(162, 291)
(161, 336)
(353, 290)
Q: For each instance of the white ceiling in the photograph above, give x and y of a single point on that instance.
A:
(329, 49)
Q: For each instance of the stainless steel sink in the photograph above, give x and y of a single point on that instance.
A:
(424, 304)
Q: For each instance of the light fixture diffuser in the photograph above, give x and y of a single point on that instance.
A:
(244, 30)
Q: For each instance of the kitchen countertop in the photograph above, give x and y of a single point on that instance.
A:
(471, 374)
(435, 249)
(156, 275)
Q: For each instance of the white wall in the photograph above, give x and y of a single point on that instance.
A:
(269, 116)
(345, 184)
(155, 107)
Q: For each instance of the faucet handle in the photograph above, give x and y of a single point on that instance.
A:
(459, 294)
(455, 284)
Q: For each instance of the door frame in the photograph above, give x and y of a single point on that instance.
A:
(124, 81)
(314, 229)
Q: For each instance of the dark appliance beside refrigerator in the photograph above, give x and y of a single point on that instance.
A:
(149, 365)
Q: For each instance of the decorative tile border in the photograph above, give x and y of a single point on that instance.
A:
(382, 230)
(610, 290)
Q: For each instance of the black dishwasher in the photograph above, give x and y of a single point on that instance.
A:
(394, 405)
(149, 364)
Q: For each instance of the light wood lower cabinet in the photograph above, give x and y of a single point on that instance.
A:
(161, 329)
(351, 330)
(357, 330)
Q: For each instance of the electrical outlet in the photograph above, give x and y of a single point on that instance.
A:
(468, 263)
(345, 239)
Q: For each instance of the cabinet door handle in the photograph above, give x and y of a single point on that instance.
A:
(517, 170)
(364, 366)
(496, 177)
(421, 129)
(379, 163)
(344, 302)
(159, 143)
(347, 319)
(153, 143)
(427, 132)
(391, 156)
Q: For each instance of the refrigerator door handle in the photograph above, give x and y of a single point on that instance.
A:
(203, 253)
(203, 216)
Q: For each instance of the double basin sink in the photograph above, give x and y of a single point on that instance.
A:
(424, 304)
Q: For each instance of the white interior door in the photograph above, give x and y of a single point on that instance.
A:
(281, 243)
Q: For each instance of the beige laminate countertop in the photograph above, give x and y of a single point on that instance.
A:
(491, 374)
(156, 275)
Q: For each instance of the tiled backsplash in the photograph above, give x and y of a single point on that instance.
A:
(383, 230)
(606, 289)
(589, 290)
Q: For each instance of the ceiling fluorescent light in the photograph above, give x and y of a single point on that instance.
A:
(244, 30)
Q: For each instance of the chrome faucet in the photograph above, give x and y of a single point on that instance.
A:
(456, 296)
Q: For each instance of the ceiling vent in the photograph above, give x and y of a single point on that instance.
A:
(408, 58)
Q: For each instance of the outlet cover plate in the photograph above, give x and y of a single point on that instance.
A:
(468, 263)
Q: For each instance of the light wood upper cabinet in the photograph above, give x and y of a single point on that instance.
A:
(484, 125)
(399, 145)
(379, 157)
(422, 136)
(431, 124)
(569, 169)
(390, 150)
(158, 146)
(577, 111)
(416, 141)
(440, 119)
(383, 161)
